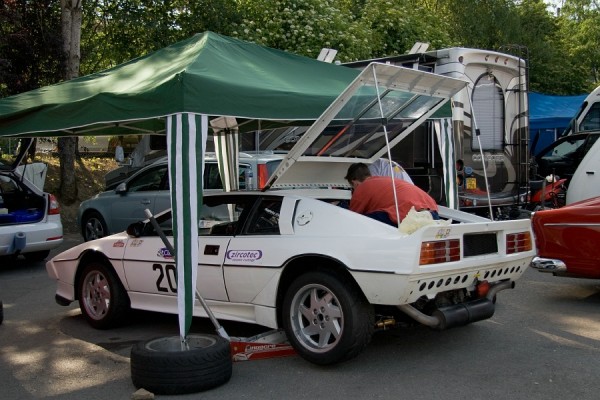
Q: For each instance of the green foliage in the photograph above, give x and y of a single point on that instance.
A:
(397, 24)
(562, 50)
(30, 45)
(117, 31)
(580, 25)
(483, 24)
(304, 27)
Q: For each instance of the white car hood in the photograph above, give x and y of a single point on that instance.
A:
(376, 111)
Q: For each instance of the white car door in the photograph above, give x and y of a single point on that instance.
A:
(251, 261)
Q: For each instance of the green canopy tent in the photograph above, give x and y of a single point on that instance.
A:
(207, 73)
(176, 90)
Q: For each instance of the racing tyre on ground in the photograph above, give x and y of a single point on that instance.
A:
(93, 226)
(102, 298)
(162, 367)
(326, 317)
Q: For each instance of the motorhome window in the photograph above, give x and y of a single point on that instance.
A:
(488, 111)
(591, 121)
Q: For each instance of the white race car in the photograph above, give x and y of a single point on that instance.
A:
(295, 259)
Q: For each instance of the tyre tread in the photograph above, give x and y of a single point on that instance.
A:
(182, 372)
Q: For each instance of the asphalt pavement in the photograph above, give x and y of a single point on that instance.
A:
(542, 343)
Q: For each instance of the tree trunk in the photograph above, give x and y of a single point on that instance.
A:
(71, 14)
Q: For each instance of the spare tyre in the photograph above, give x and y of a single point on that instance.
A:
(161, 366)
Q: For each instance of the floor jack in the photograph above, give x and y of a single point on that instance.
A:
(268, 344)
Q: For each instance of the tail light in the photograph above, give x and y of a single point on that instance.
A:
(53, 206)
(263, 175)
(518, 242)
(440, 251)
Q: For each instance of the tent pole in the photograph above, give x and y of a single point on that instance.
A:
(220, 330)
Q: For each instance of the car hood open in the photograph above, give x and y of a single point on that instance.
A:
(376, 111)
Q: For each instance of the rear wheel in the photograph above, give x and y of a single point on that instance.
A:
(93, 226)
(102, 298)
(326, 317)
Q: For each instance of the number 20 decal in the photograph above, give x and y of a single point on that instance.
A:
(167, 277)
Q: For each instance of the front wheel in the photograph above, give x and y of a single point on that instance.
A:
(93, 226)
(327, 318)
(102, 299)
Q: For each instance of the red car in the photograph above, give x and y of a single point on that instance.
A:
(568, 240)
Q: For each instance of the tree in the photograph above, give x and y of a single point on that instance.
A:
(483, 24)
(30, 45)
(580, 24)
(114, 32)
(551, 69)
(71, 14)
(396, 25)
(304, 27)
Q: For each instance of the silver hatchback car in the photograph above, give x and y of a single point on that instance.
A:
(30, 222)
(113, 211)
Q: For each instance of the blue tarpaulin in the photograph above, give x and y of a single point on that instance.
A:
(549, 116)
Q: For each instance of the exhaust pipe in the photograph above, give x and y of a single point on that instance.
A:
(464, 313)
(458, 314)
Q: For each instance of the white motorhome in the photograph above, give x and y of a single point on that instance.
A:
(495, 106)
(576, 154)
(585, 183)
(588, 116)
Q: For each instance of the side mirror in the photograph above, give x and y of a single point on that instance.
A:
(122, 188)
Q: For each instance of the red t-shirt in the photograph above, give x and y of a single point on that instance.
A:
(375, 194)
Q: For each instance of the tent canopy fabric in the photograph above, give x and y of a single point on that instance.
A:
(207, 73)
(549, 116)
(549, 112)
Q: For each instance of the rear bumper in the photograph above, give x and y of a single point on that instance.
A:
(551, 265)
(27, 238)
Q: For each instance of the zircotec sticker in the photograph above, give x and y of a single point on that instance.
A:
(244, 255)
(164, 253)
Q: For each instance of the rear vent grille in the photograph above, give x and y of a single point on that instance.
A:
(479, 244)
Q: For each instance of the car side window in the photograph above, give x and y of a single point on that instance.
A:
(212, 178)
(265, 221)
(152, 179)
(566, 149)
(221, 217)
(591, 121)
